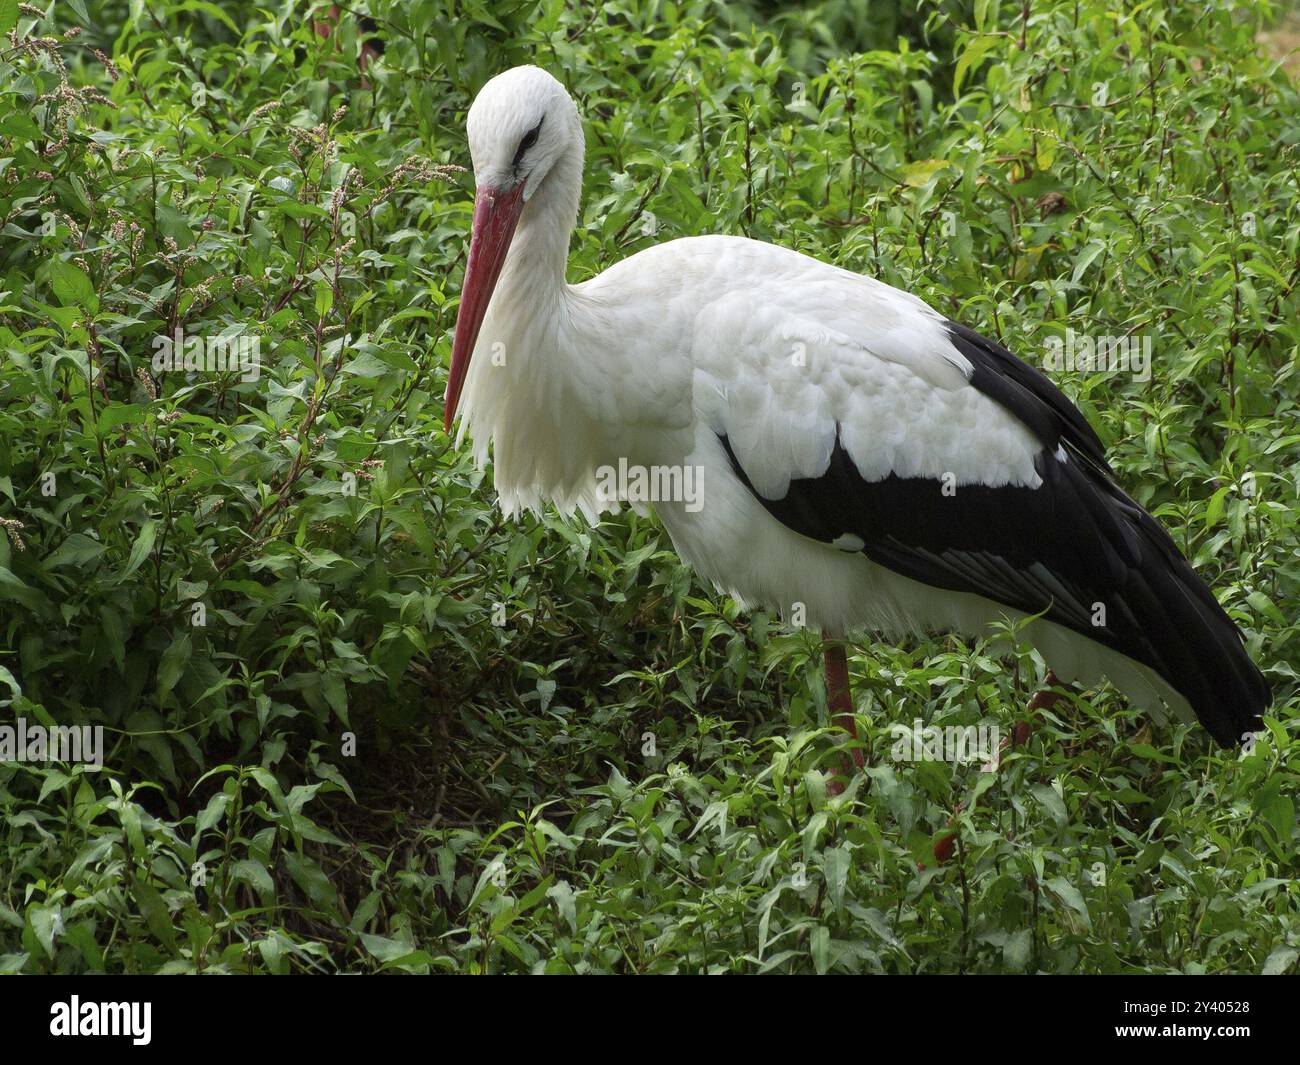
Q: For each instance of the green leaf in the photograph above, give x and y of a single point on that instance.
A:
(172, 665)
(1051, 802)
(971, 57)
(836, 862)
(819, 944)
(71, 285)
(157, 917)
(47, 923)
(253, 873)
(1072, 898)
(1086, 258)
(324, 298)
(77, 549)
(140, 548)
(1017, 950)
(561, 893)
(309, 876)
(923, 171)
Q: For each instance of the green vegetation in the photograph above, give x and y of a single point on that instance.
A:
(355, 722)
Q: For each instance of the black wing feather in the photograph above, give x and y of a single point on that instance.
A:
(1060, 549)
(1028, 394)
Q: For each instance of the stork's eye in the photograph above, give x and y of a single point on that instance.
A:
(530, 138)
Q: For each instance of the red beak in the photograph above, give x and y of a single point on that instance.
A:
(496, 213)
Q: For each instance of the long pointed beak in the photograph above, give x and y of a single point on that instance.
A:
(496, 213)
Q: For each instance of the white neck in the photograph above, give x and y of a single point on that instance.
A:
(520, 393)
(539, 252)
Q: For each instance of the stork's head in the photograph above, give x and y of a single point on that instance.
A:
(521, 125)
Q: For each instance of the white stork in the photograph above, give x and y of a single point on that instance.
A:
(858, 453)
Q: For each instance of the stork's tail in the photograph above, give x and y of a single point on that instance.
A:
(1191, 642)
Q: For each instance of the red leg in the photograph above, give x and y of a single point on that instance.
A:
(841, 702)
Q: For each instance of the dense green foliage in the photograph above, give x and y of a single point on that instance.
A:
(356, 722)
